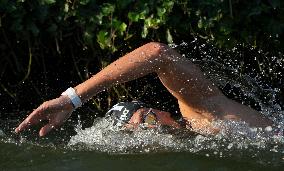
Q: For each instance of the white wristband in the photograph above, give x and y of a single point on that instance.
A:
(73, 96)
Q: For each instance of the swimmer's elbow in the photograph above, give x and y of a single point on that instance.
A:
(162, 54)
(157, 48)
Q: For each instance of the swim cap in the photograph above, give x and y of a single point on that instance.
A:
(123, 111)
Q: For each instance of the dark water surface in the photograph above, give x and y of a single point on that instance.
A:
(101, 148)
(33, 157)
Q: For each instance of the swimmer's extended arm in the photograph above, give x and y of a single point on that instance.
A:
(152, 57)
(182, 78)
(140, 62)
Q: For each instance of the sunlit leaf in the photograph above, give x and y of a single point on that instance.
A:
(48, 1)
(107, 9)
(200, 23)
(161, 11)
(103, 39)
(66, 7)
(144, 32)
(119, 26)
(122, 28)
(84, 2)
(134, 17)
(169, 36)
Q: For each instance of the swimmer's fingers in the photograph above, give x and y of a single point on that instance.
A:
(24, 125)
(34, 118)
(55, 111)
(46, 129)
(55, 121)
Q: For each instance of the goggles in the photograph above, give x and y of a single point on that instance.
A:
(150, 118)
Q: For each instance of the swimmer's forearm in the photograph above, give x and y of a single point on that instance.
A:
(140, 62)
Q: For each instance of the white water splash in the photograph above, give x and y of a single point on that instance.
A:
(103, 137)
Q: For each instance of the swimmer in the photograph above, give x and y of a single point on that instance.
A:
(200, 101)
(137, 114)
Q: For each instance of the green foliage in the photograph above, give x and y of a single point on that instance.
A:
(97, 28)
(224, 22)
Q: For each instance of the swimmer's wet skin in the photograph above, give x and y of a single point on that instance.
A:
(200, 101)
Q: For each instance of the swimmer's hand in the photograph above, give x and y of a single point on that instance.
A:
(55, 111)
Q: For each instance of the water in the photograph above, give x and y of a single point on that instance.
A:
(41, 158)
(104, 147)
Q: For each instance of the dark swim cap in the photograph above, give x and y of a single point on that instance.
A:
(123, 111)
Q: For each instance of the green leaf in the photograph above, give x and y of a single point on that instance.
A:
(99, 18)
(169, 36)
(142, 14)
(134, 17)
(144, 32)
(119, 26)
(48, 1)
(148, 22)
(66, 7)
(200, 23)
(89, 34)
(107, 9)
(84, 2)
(151, 22)
(123, 27)
(103, 39)
(168, 4)
(88, 37)
(161, 11)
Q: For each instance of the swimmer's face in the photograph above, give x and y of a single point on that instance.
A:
(152, 117)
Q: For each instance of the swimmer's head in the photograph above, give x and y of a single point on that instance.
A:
(136, 113)
(122, 112)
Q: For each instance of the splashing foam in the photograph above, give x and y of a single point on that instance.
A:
(236, 141)
(104, 137)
